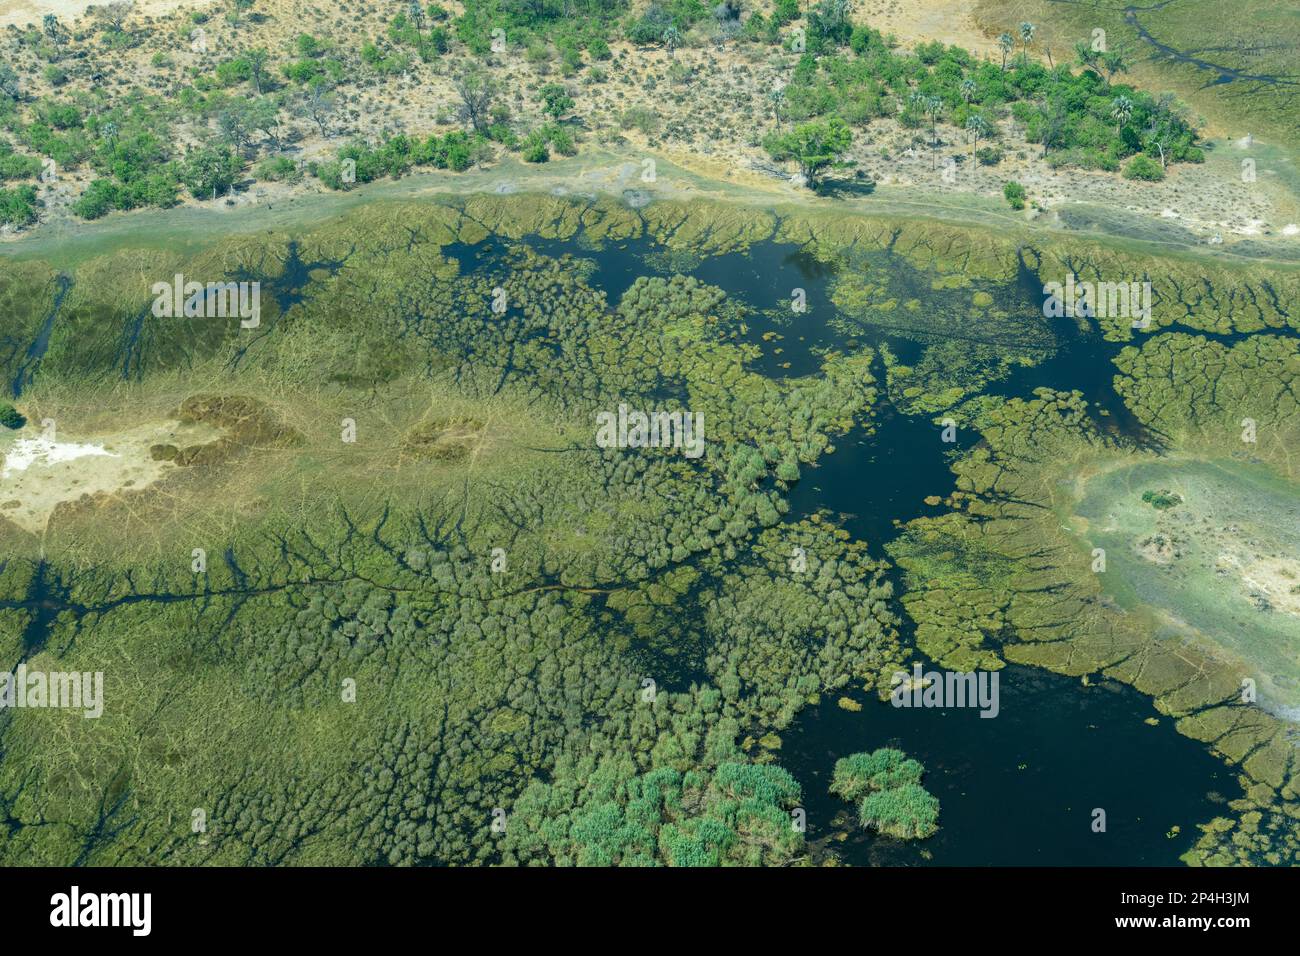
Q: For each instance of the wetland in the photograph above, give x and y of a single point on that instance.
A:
(429, 594)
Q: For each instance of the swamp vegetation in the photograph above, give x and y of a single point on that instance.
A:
(374, 595)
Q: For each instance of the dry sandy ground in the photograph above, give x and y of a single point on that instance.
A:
(21, 12)
(921, 21)
(38, 474)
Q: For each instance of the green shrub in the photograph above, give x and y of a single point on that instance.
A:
(10, 417)
(858, 774)
(18, 206)
(560, 137)
(1144, 168)
(535, 150)
(1015, 194)
(784, 11)
(100, 198)
(886, 784)
(907, 812)
(16, 166)
(642, 118)
(278, 169)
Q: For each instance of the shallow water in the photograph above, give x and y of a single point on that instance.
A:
(1017, 789)
(1020, 789)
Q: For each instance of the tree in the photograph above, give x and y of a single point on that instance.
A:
(830, 21)
(1054, 119)
(967, 89)
(814, 146)
(115, 14)
(235, 122)
(18, 205)
(9, 85)
(1114, 62)
(318, 102)
(1006, 42)
(1086, 56)
(477, 91)
(1014, 193)
(650, 28)
(933, 106)
(54, 30)
(1167, 121)
(534, 148)
(672, 39)
(257, 59)
(977, 127)
(416, 15)
(776, 96)
(1144, 168)
(1026, 38)
(210, 170)
(264, 116)
(1121, 111)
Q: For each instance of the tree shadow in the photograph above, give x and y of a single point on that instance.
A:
(846, 188)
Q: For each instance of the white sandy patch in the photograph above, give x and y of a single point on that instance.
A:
(40, 474)
(45, 451)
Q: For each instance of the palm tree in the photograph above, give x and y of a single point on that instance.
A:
(672, 38)
(1007, 42)
(967, 89)
(934, 106)
(1086, 56)
(1026, 37)
(416, 15)
(1114, 61)
(977, 126)
(1121, 109)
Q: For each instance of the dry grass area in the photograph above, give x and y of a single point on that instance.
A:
(21, 12)
(703, 107)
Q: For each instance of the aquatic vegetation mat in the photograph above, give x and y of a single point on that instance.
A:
(366, 582)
